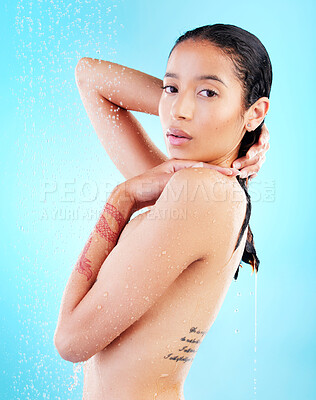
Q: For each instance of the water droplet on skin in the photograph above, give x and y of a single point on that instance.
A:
(164, 252)
(99, 307)
(236, 331)
(105, 294)
(238, 294)
(126, 287)
(201, 282)
(236, 310)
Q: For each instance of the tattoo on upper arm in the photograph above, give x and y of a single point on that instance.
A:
(185, 349)
(103, 229)
(84, 264)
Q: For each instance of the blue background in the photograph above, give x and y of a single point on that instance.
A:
(266, 349)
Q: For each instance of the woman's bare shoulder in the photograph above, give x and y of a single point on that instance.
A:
(206, 185)
(213, 203)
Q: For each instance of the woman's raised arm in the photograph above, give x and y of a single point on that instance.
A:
(108, 90)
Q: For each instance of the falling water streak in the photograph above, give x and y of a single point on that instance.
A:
(255, 360)
(76, 369)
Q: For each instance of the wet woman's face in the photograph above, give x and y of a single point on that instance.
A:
(203, 98)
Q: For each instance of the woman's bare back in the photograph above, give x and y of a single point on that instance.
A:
(151, 359)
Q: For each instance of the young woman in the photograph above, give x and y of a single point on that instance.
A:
(145, 291)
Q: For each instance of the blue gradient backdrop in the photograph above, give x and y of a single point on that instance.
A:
(55, 178)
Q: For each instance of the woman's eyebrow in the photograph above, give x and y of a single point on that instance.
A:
(200, 78)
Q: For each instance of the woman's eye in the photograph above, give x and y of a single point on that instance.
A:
(167, 87)
(210, 93)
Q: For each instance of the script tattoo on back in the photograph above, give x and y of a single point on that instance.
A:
(195, 337)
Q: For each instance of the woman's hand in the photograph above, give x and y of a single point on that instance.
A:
(145, 189)
(251, 163)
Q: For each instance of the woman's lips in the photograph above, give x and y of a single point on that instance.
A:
(178, 132)
(177, 137)
(177, 141)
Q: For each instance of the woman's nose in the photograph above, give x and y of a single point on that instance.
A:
(182, 107)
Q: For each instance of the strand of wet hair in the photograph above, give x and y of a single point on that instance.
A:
(249, 255)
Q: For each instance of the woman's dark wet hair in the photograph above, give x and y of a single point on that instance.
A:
(254, 71)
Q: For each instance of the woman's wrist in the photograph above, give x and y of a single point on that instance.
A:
(124, 200)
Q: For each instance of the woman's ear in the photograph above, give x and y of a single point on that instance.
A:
(257, 113)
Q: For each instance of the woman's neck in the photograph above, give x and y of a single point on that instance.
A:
(226, 160)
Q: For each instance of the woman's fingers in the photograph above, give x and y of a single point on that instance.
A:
(223, 170)
(254, 166)
(264, 135)
(252, 176)
(174, 165)
(252, 157)
(262, 146)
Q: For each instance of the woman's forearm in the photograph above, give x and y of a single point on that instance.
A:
(116, 213)
(125, 87)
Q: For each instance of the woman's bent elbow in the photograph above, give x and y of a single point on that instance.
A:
(81, 70)
(64, 348)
